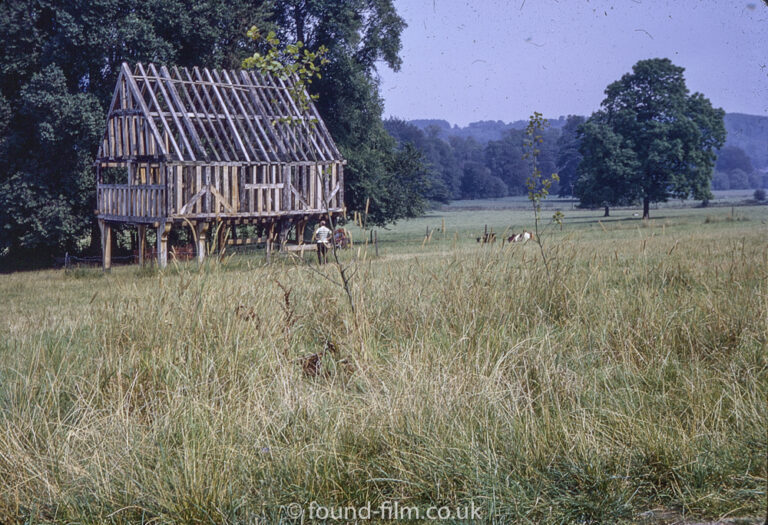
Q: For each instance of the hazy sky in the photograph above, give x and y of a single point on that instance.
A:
(465, 61)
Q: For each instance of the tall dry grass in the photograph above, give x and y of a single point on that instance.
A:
(636, 379)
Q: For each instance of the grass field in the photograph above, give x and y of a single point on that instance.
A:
(630, 382)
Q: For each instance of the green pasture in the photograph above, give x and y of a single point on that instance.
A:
(627, 384)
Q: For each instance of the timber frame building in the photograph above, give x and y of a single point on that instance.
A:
(198, 146)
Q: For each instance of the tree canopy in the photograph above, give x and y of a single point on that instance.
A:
(568, 154)
(651, 140)
(733, 157)
(58, 67)
(358, 36)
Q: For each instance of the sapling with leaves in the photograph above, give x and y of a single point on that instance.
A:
(292, 62)
(538, 185)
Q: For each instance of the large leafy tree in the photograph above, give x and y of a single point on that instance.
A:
(608, 166)
(359, 35)
(58, 66)
(673, 135)
(59, 62)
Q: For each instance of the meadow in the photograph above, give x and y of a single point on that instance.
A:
(627, 384)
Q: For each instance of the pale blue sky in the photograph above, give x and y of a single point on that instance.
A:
(465, 61)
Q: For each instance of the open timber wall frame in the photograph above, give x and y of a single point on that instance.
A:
(198, 146)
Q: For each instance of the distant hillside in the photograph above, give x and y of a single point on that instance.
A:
(748, 132)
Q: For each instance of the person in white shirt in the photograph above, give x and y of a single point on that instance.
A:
(322, 236)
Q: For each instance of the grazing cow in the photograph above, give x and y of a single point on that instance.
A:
(521, 237)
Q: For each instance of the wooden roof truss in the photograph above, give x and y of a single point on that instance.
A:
(201, 115)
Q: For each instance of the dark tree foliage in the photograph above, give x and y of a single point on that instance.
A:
(359, 34)
(478, 183)
(59, 62)
(457, 161)
(568, 154)
(47, 186)
(505, 159)
(673, 135)
(608, 167)
(436, 186)
(58, 66)
(730, 158)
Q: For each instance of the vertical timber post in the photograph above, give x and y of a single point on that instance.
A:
(300, 227)
(106, 245)
(162, 243)
(221, 237)
(286, 194)
(201, 231)
(284, 227)
(142, 244)
(270, 240)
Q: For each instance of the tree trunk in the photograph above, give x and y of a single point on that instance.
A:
(606, 214)
(298, 19)
(646, 208)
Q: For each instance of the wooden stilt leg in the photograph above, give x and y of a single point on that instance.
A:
(282, 232)
(270, 241)
(300, 227)
(162, 244)
(222, 240)
(202, 234)
(106, 245)
(142, 244)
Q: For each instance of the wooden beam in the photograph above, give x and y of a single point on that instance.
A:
(142, 234)
(240, 105)
(212, 106)
(254, 99)
(162, 243)
(131, 83)
(106, 245)
(227, 115)
(197, 115)
(160, 111)
(201, 231)
(174, 96)
(273, 121)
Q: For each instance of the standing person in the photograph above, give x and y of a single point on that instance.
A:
(322, 234)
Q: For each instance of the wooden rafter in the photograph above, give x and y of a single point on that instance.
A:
(208, 115)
